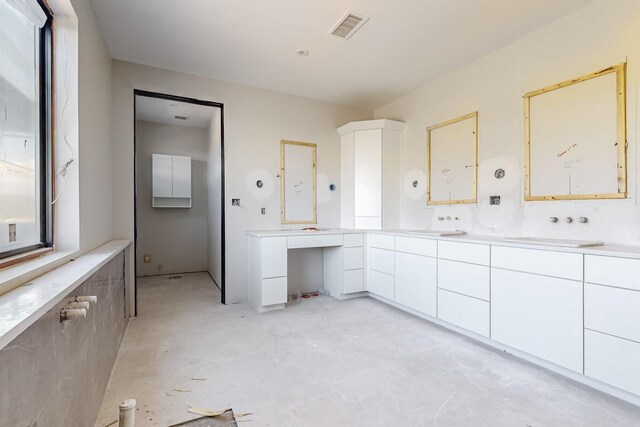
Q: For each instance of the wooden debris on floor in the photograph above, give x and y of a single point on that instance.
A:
(223, 413)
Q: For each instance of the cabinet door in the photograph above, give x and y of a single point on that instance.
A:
(274, 256)
(353, 281)
(161, 175)
(381, 284)
(467, 312)
(539, 315)
(181, 176)
(368, 173)
(416, 282)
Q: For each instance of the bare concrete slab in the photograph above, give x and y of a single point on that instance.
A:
(323, 362)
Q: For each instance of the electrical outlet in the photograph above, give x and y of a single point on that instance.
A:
(494, 200)
(147, 258)
(235, 202)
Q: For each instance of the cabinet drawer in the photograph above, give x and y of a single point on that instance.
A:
(274, 291)
(382, 241)
(381, 260)
(468, 313)
(273, 256)
(468, 279)
(539, 315)
(620, 272)
(353, 240)
(549, 263)
(381, 284)
(613, 311)
(296, 242)
(353, 258)
(466, 252)
(612, 360)
(412, 245)
(353, 281)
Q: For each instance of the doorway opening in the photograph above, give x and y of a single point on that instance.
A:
(179, 187)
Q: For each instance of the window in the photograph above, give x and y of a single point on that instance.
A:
(25, 127)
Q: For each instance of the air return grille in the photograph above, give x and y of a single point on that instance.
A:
(181, 117)
(348, 25)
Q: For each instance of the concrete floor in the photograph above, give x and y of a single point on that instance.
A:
(323, 362)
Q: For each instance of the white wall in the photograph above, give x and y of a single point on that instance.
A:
(176, 239)
(214, 198)
(94, 120)
(254, 123)
(594, 37)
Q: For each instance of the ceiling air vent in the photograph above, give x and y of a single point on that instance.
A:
(348, 25)
(181, 117)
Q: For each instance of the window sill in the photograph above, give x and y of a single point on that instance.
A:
(24, 257)
(22, 306)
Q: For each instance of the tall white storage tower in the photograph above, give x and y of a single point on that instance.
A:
(371, 174)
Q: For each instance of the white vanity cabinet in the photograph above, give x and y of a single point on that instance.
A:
(268, 277)
(371, 174)
(348, 278)
(612, 321)
(381, 265)
(534, 312)
(463, 285)
(416, 274)
(171, 181)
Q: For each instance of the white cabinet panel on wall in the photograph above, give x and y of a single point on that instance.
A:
(468, 313)
(539, 315)
(371, 174)
(171, 181)
(162, 181)
(368, 173)
(612, 360)
(415, 282)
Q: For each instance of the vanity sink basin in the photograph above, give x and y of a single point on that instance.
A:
(567, 243)
(437, 232)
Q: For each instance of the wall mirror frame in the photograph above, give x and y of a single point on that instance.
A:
(594, 158)
(298, 183)
(461, 167)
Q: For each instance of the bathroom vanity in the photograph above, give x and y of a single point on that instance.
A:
(571, 309)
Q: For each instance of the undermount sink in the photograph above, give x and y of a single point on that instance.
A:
(555, 242)
(437, 232)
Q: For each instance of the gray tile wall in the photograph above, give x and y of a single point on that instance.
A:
(55, 374)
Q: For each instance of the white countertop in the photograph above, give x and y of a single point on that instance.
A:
(285, 233)
(625, 251)
(23, 306)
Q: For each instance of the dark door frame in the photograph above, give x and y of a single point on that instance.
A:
(158, 95)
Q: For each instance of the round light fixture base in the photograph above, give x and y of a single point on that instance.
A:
(302, 52)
